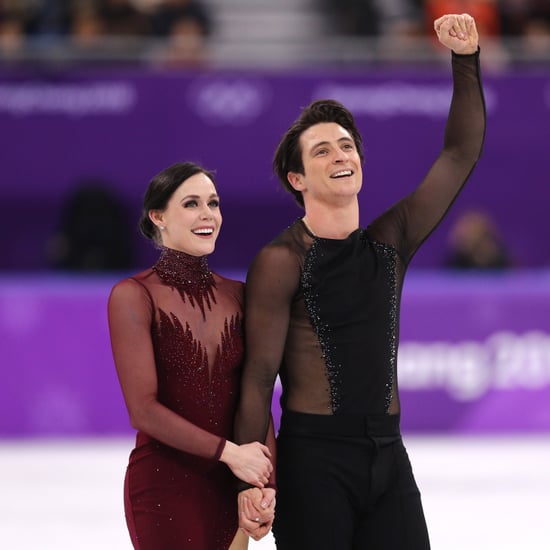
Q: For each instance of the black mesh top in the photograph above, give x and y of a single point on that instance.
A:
(324, 313)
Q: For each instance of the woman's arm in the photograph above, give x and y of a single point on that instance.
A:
(130, 318)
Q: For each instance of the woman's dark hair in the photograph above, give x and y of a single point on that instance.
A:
(288, 156)
(161, 188)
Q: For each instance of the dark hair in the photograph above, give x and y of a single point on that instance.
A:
(288, 155)
(161, 188)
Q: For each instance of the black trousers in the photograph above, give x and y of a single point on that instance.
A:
(345, 483)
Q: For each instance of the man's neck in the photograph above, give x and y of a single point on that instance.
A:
(332, 222)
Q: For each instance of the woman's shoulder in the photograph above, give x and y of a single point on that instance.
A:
(133, 278)
(133, 283)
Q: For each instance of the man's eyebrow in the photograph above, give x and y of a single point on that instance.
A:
(326, 142)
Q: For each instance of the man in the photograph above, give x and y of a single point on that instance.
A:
(323, 313)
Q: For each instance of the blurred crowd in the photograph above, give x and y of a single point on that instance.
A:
(511, 29)
(96, 26)
(509, 18)
(181, 27)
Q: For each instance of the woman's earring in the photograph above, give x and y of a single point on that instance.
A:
(162, 227)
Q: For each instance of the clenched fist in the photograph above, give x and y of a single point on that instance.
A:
(457, 32)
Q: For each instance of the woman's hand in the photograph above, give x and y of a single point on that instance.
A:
(457, 32)
(256, 511)
(249, 462)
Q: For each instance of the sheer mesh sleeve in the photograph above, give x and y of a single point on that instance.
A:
(408, 223)
(272, 281)
(130, 314)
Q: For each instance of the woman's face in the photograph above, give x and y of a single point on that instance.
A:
(192, 219)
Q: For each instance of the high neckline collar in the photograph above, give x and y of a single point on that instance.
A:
(177, 268)
(189, 275)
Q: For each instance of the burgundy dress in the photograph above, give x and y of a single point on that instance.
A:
(191, 323)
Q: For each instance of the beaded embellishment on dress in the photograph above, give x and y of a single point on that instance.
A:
(189, 275)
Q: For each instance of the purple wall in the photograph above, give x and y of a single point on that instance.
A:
(58, 127)
(475, 353)
(474, 358)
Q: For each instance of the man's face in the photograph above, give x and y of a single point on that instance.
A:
(332, 165)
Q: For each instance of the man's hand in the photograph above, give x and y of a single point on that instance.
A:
(256, 511)
(457, 32)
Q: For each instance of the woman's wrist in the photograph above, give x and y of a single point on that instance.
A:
(225, 450)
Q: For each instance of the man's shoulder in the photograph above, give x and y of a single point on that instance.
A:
(291, 238)
(281, 250)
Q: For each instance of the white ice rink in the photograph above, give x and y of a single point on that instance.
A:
(482, 493)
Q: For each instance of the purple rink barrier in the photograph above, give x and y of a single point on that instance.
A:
(60, 126)
(474, 356)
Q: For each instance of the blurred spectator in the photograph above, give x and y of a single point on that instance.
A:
(185, 26)
(373, 17)
(123, 18)
(38, 17)
(93, 233)
(186, 44)
(536, 38)
(476, 243)
(86, 27)
(52, 17)
(15, 20)
(529, 21)
(516, 15)
(12, 34)
(168, 13)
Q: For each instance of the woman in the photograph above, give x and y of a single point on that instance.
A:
(176, 337)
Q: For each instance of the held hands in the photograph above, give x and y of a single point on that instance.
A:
(249, 462)
(256, 511)
(457, 32)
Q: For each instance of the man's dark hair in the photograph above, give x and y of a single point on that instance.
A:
(288, 155)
